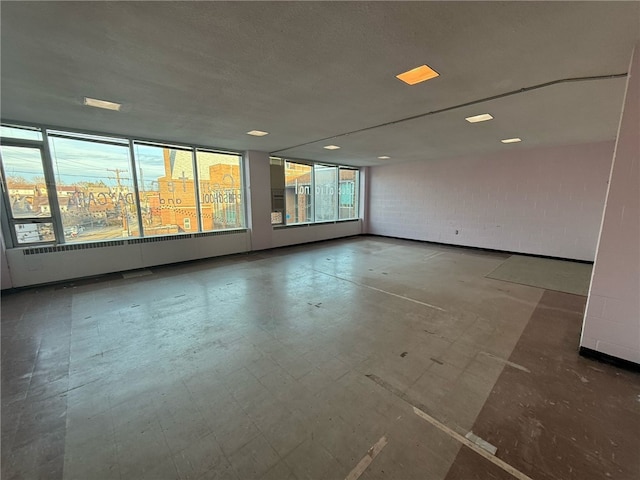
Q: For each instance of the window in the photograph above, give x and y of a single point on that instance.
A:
(166, 189)
(88, 187)
(326, 198)
(34, 232)
(313, 192)
(95, 189)
(27, 194)
(348, 191)
(298, 192)
(220, 182)
(23, 133)
(24, 174)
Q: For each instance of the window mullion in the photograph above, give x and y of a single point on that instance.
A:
(7, 225)
(136, 189)
(52, 189)
(196, 190)
(313, 193)
(336, 198)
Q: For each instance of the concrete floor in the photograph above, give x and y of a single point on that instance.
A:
(292, 364)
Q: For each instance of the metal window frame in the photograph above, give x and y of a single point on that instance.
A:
(10, 221)
(356, 193)
(243, 190)
(196, 190)
(336, 212)
(312, 165)
(103, 138)
(171, 143)
(311, 186)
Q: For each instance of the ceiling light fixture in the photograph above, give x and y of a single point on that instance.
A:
(511, 140)
(257, 133)
(93, 102)
(332, 147)
(384, 157)
(483, 117)
(417, 75)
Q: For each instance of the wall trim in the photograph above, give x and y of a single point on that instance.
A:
(250, 252)
(313, 224)
(609, 359)
(132, 241)
(588, 262)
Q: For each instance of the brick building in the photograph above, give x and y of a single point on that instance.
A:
(220, 193)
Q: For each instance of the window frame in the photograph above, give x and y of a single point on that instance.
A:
(136, 165)
(50, 135)
(311, 190)
(356, 193)
(242, 189)
(8, 221)
(336, 183)
(315, 221)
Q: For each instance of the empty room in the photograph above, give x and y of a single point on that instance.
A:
(320, 240)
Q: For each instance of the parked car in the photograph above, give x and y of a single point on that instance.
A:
(73, 231)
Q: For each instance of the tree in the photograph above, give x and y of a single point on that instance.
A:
(16, 180)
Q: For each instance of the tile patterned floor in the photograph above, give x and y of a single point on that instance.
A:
(567, 417)
(255, 367)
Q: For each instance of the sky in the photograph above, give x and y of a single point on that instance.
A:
(77, 161)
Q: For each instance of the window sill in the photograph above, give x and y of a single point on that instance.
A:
(300, 225)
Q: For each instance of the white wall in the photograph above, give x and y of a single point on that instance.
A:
(55, 266)
(545, 201)
(314, 232)
(612, 318)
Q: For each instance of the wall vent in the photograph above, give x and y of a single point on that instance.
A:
(218, 233)
(117, 243)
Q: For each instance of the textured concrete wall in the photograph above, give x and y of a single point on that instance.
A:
(545, 201)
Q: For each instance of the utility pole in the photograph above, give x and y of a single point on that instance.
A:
(146, 214)
(121, 201)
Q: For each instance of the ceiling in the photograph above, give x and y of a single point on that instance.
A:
(319, 73)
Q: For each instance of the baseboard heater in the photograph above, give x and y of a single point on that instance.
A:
(129, 241)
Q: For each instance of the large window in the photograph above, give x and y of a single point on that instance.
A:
(298, 192)
(313, 192)
(326, 190)
(166, 189)
(68, 187)
(348, 192)
(95, 188)
(27, 194)
(221, 199)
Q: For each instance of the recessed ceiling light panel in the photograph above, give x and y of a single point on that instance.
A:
(94, 102)
(332, 147)
(483, 117)
(511, 140)
(418, 74)
(384, 157)
(257, 133)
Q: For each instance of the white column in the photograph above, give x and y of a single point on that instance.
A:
(258, 178)
(612, 319)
